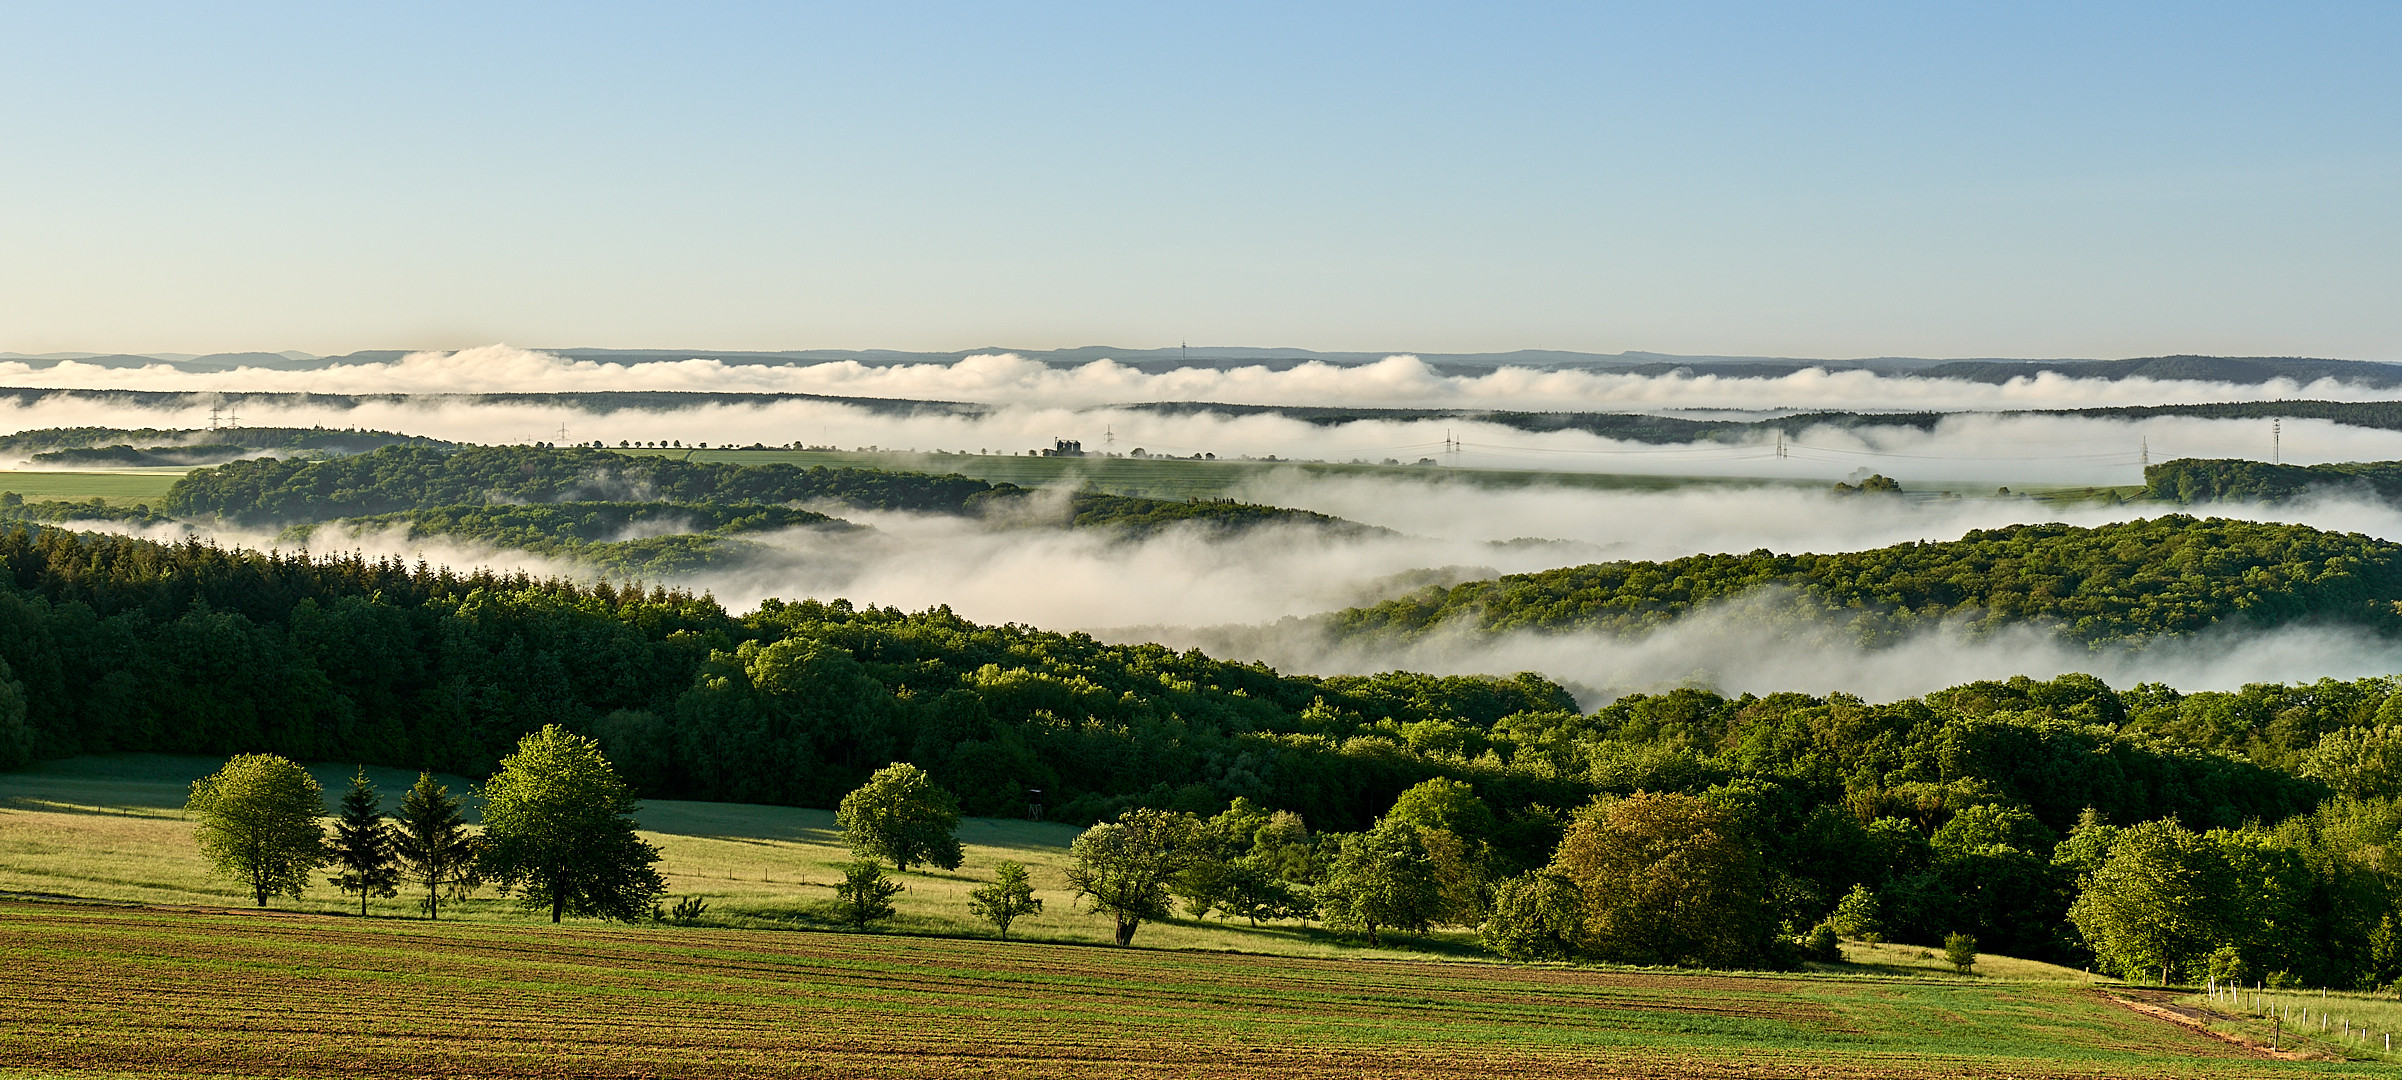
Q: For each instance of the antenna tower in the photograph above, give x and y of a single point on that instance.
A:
(2277, 442)
(1109, 436)
(2147, 452)
(562, 431)
(214, 417)
(1780, 443)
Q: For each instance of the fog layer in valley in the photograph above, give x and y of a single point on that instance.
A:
(1732, 649)
(1247, 595)
(1969, 452)
(1243, 595)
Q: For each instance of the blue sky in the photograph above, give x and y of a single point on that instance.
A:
(1842, 180)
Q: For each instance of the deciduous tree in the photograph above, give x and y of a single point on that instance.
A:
(2157, 904)
(559, 829)
(1395, 876)
(1667, 879)
(1122, 868)
(901, 814)
(1536, 916)
(864, 896)
(1009, 896)
(1960, 951)
(258, 823)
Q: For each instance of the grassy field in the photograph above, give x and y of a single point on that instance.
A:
(148, 992)
(113, 828)
(2332, 1022)
(118, 488)
(128, 958)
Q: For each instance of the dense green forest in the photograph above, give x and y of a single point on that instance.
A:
(2194, 480)
(2113, 583)
(1959, 811)
(438, 490)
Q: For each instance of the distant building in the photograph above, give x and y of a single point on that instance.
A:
(1064, 448)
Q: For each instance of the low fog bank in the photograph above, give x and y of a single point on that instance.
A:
(1969, 453)
(1751, 645)
(1020, 570)
(1248, 595)
(1400, 381)
(1711, 519)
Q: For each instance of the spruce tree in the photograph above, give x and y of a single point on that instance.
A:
(362, 847)
(435, 849)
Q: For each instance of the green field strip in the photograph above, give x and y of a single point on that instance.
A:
(116, 488)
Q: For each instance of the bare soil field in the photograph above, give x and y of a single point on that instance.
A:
(99, 990)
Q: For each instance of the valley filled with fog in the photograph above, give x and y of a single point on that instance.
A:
(1470, 498)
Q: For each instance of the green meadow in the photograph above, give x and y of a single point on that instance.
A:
(113, 922)
(120, 487)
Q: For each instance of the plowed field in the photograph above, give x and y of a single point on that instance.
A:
(93, 990)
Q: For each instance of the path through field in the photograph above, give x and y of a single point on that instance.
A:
(96, 990)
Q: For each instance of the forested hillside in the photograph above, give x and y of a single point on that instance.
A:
(272, 492)
(439, 489)
(1963, 810)
(2113, 583)
(116, 442)
(2197, 480)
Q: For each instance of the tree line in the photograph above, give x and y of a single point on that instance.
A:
(41, 441)
(2114, 583)
(2195, 480)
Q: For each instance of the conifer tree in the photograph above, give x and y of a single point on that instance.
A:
(362, 846)
(436, 851)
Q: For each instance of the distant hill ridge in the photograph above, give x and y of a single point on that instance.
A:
(2240, 370)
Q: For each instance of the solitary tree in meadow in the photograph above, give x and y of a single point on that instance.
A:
(1122, 868)
(864, 895)
(1960, 951)
(901, 814)
(1009, 896)
(362, 845)
(435, 850)
(258, 823)
(558, 829)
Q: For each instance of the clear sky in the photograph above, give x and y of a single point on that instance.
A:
(1951, 179)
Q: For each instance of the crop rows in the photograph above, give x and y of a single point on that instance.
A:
(194, 993)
